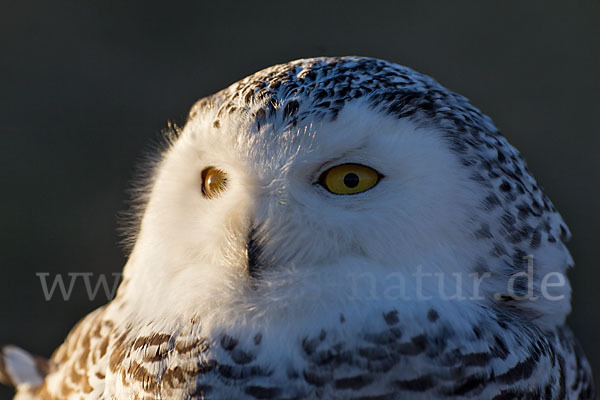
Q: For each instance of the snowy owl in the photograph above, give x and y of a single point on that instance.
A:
(331, 228)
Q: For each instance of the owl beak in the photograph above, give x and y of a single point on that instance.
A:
(255, 251)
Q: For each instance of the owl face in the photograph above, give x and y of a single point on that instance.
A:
(277, 193)
(239, 208)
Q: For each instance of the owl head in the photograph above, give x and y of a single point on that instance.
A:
(309, 184)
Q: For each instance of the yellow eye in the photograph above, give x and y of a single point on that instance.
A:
(349, 179)
(213, 182)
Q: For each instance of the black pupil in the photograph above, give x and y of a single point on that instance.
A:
(351, 180)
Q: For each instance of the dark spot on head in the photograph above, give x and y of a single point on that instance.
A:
(228, 342)
(257, 338)
(309, 345)
(432, 315)
(322, 335)
(536, 239)
(491, 202)
(505, 186)
(241, 357)
(391, 318)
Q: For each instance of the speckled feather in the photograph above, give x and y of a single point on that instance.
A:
(501, 347)
(391, 362)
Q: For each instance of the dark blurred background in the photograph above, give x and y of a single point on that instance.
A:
(87, 87)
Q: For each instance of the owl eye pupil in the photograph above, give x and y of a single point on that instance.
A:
(351, 180)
